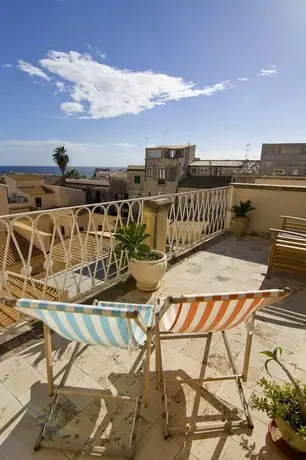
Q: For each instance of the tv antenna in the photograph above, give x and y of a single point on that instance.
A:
(247, 149)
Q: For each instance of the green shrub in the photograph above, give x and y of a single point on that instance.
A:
(130, 239)
(243, 208)
(286, 401)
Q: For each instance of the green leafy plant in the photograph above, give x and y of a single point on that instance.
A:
(243, 208)
(286, 401)
(130, 239)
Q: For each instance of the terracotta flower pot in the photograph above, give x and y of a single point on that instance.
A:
(148, 273)
(239, 226)
(294, 440)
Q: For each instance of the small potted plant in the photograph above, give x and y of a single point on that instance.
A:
(239, 223)
(285, 404)
(147, 266)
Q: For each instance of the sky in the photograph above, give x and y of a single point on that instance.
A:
(105, 78)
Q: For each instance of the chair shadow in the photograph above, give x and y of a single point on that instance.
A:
(290, 311)
(79, 420)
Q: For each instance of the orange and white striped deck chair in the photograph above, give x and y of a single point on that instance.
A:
(192, 316)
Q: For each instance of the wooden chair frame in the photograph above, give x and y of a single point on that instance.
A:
(288, 251)
(161, 382)
(56, 391)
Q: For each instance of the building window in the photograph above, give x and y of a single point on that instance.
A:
(38, 202)
(62, 230)
(81, 229)
(150, 172)
(295, 172)
(161, 175)
(278, 172)
(149, 193)
(136, 179)
(193, 170)
(154, 154)
(99, 228)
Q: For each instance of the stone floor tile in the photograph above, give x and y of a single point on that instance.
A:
(82, 401)
(184, 454)
(20, 441)
(195, 348)
(107, 373)
(75, 375)
(89, 360)
(152, 446)
(10, 407)
(23, 380)
(11, 366)
(228, 392)
(210, 445)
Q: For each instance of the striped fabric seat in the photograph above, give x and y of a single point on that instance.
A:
(211, 313)
(197, 317)
(103, 324)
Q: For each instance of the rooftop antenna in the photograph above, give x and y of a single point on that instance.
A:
(247, 149)
(164, 137)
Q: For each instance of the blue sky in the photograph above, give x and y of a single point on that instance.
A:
(101, 76)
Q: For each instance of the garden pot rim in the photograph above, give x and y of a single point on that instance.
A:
(161, 254)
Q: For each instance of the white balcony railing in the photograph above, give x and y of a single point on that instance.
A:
(70, 252)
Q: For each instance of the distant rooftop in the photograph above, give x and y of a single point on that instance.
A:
(182, 146)
(21, 177)
(231, 163)
(136, 167)
(203, 182)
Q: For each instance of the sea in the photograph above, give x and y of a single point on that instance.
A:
(84, 170)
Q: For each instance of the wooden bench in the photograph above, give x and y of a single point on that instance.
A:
(288, 251)
(293, 224)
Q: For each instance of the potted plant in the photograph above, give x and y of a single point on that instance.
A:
(240, 221)
(285, 404)
(147, 266)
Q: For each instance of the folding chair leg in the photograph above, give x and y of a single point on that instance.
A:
(48, 353)
(147, 369)
(238, 382)
(56, 395)
(157, 353)
(247, 355)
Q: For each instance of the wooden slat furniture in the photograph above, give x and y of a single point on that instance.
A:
(293, 224)
(288, 251)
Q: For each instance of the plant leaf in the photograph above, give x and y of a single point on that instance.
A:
(266, 365)
(270, 354)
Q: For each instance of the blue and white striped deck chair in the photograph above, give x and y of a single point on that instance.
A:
(105, 323)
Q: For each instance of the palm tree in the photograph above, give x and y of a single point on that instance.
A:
(73, 174)
(61, 158)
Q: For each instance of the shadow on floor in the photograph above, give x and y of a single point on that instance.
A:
(249, 248)
(290, 311)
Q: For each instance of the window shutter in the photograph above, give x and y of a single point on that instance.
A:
(172, 173)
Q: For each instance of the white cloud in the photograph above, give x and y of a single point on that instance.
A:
(242, 79)
(8, 66)
(32, 70)
(27, 152)
(72, 107)
(102, 91)
(60, 86)
(124, 144)
(270, 70)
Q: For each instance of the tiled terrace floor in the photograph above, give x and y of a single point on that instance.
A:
(227, 266)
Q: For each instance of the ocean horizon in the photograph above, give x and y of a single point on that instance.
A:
(84, 170)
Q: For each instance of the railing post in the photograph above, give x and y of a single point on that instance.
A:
(155, 216)
(230, 203)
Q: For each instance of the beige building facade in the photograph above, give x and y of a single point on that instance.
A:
(28, 192)
(165, 166)
(283, 159)
(136, 181)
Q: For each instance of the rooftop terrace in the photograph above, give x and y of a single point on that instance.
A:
(227, 265)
